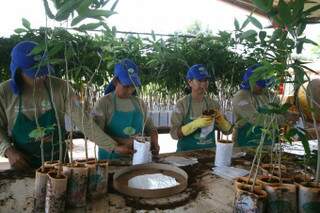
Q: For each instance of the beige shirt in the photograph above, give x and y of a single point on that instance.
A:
(181, 109)
(104, 109)
(245, 107)
(9, 108)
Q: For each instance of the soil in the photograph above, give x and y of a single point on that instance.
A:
(54, 175)
(225, 141)
(255, 191)
(208, 112)
(45, 171)
(14, 174)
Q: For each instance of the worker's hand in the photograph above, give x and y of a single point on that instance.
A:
(223, 124)
(124, 141)
(124, 149)
(200, 122)
(17, 159)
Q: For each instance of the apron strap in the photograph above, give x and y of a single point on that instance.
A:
(185, 119)
(135, 105)
(20, 102)
(190, 106)
(49, 95)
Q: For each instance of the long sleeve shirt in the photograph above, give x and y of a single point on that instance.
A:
(196, 109)
(245, 108)
(40, 102)
(104, 109)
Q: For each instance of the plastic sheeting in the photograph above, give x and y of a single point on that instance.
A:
(180, 161)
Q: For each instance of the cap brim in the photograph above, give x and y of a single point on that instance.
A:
(133, 81)
(203, 77)
(35, 72)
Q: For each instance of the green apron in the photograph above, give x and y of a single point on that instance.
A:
(250, 135)
(122, 125)
(28, 146)
(193, 141)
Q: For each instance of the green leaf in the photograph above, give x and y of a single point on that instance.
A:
(305, 40)
(56, 49)
(114, 5)
(37, 133)
(255, 22)
(245, 23)
(56, 61)
(301, 27)
(91, 26)
(84, 6)
(97, 14)
(114, 30)
(276, 34)
(77, 20)
(299, 47)
(26, 23)
(285, 12)
(20, 30)
(262, 35)
(298, 6)
(106, 27)
(236, 24)
(299, 74)
(248, 34)
(48, 10)
(66, 9)
(153, 35)
(38, 49)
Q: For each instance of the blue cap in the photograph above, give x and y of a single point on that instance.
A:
(245, 79)
(198, 72)
(23, 60)
(127, 72)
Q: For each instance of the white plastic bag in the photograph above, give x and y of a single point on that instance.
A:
(223, 154)
(142, 154)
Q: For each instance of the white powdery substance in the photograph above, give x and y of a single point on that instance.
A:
(152, 181)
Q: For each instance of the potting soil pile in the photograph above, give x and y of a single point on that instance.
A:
(152, 181)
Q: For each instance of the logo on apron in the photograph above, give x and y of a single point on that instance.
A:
(129, 131)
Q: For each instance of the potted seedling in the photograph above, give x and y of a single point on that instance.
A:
(248, 200)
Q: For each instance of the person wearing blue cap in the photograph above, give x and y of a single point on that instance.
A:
(248, 104)
(120, 113)
(33, 98)
(196, 111)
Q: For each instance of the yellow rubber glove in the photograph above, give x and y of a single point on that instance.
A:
(200, 122)
(223, 124)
